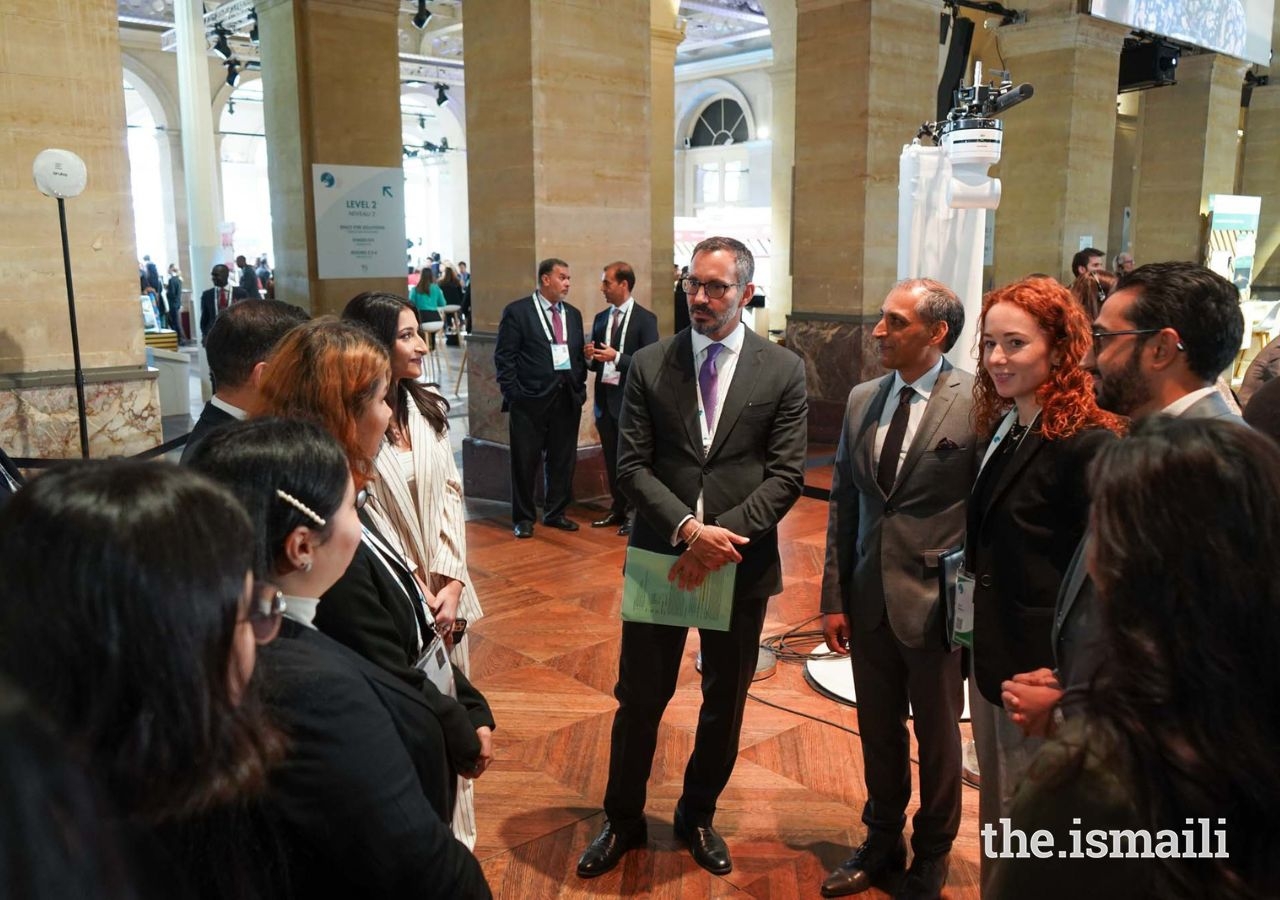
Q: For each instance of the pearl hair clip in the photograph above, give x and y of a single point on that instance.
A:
(300, 506)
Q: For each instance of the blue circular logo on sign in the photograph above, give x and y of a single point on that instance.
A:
(327, 179)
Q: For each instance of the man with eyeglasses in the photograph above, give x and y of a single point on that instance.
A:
(1160, 342)
(711, 451)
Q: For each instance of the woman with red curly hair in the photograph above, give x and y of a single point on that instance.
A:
(1029, 506)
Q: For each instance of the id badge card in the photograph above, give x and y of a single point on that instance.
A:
(610, 374)
(962, 623)
(434, 663)
(560, 357)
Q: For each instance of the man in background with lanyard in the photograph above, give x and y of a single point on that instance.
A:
(620, 329)
(542, 373)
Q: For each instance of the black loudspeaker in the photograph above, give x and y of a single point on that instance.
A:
(1148, 65)
(957, 62)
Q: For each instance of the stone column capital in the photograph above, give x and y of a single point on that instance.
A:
(662, 38)
(1049, 33)
(377, 8)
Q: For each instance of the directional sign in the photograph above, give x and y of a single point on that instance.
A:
(359, 221)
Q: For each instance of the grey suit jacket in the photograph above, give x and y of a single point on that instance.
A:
(882, 550)
(1077, 641)
(751, 475)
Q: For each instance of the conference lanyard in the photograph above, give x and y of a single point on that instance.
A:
(385, 554)
(559, 352)
(609, 374)
(1003, 431)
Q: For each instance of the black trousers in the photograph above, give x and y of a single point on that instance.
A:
(647, 671)
(886, 674)
(607, 426)
(543, 428)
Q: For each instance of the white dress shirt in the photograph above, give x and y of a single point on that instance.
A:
(1186, 401)
(923, 387)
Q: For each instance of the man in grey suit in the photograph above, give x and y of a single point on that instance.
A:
(903, 472)
(1159, 344)
(711, 451)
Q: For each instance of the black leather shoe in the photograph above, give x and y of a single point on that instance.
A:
(624, 529)
(868, 866)
(607, 850)
(524, 529)
(562, 523)
(611, 519)
(706, 847)
(925, 878)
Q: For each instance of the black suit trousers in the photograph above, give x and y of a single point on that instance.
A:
(607, 425)
(886, 674)
(647, 672)
(547, 426)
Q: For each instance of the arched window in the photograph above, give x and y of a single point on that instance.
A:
(722, 122)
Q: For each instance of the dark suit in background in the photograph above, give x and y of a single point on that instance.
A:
(749, 478)
(641, 331)
(882, 573)
(209, 305)
(211, 418)
(363, 799)
(545, 405)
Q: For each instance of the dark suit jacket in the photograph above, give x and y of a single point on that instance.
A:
(211, 418)
(1018, 547)
(522, 355)
(209, 306)
(642, 330)
(882, 552)
(362, 801)
(373, 614)
(751, 475)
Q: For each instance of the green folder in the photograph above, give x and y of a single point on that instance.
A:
(647, 595)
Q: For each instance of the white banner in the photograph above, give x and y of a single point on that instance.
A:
(359, 221)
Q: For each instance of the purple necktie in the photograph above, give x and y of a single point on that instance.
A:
(557, 324)
(708, 378)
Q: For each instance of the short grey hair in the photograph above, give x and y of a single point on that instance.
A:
(937, 303)
(744, 264)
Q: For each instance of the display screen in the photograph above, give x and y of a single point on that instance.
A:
(1239, 28)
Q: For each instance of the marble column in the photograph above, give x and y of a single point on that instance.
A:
(60, 80)
(558, 161)
(331, 92)
(1261, 177)
(664, 38)
(859, 98)
(1057, 159)
(782, 134)
(1189, 151)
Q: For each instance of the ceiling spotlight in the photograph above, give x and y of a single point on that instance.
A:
(442, 95)
(444, 144)
(253, 32)
(422, 122)
(220, 45)
(421, 16)
(231, 107)
(233, 71)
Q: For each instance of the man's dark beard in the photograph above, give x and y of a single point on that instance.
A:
(1125, 391)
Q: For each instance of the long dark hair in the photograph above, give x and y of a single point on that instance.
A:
(380, 313)
(255, 459)
(129, 654)
(1185, 514)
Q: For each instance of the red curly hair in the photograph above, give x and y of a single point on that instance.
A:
(326, 371)
(1067, 403)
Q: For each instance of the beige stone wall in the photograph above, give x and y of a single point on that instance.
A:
(859, 99)
(1189, 146)
(1262, 178)
(60, 80)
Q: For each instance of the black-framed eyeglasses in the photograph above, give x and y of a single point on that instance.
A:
(714, 290)
(1099, 335)
(266, 609)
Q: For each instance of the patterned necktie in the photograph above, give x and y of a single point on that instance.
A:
(222, 299)
(887, 470)
(613, 334)
(557, 323)
(708, 379)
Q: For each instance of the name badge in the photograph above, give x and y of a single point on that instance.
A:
(962, 623)
(434, 663)
(560, 357)
(610, 374)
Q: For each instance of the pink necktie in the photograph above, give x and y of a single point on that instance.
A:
(557, 324)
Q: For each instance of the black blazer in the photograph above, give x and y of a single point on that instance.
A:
(362, 801)
(211, 418)
(1018, 547)
(374, 615)
(753, 472)
(522, 355)
(209, 307)
(642, 330)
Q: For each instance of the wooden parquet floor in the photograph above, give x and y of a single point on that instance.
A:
(546, 656)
